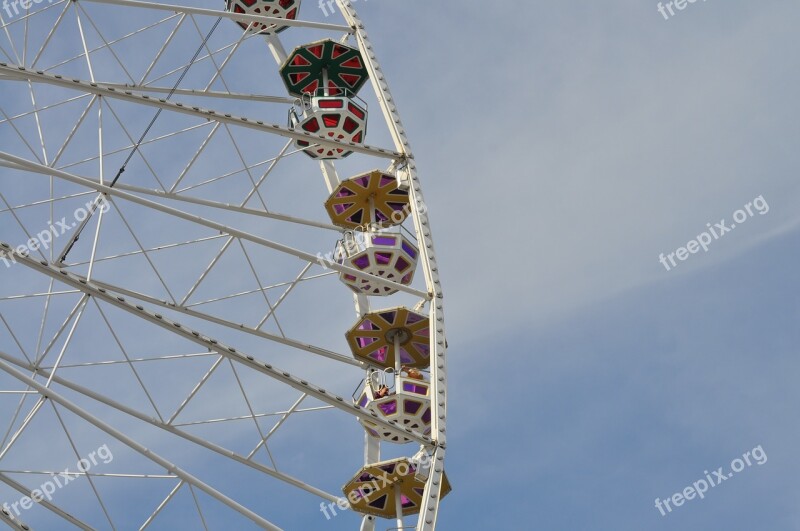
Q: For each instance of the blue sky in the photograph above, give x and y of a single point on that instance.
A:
(634, 398)
(563, 146)
(587, 380)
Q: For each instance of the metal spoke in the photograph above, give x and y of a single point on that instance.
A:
(139, 448)
(50, 506)
(258, 125)
(224, 350)
(199, 441)
(262, 290)
(163, 504)
(257, 415)
(197, 387)
(78, 456)
(127, 359)
(224, 14)
(210, 224)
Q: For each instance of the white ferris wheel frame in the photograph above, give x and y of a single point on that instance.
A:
(402, 162)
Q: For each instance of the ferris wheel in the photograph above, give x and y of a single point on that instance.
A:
(220, 302)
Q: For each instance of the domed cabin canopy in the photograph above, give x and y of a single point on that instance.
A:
(390, 489)
(337, 69)
(387, 255)
(391, 338)
(368, 201)
(269, 8)
(403, 397)
(336, 117)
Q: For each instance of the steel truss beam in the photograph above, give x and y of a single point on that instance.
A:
(131, 443)
(93, 290)
(239, 17)
(13, 522)
(205, 114)
(45, 170)
(228, 324)
(50, 506)
(104, 189)
(201, 93)
(168, 428)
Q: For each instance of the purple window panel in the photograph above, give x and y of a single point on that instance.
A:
(384, 240)
(388, 408)
(415, 388)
